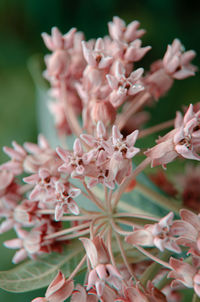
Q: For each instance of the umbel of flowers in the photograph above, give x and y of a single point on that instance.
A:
(43, 192)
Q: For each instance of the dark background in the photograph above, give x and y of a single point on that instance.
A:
(21, 25)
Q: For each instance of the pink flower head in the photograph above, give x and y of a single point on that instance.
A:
(34, 243)
(58, 291)
(44, 185)
(102, 270)
(177, 62)
(74, 163)
(185, 273)
(57, 41)
(120, 159)
(18, 155)
(80, 294)
(65, 200)
(188, 230)
(97, 57)
(119, 31)
(122, 86)
(158, 234)
(182, 141)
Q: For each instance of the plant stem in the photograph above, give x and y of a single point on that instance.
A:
(152, 270)
(93, 198)
(109, 242)
(136, 216)
(120, 230)
(127, 181)
(67, 231)
(154, 258)
(156, 128)
(124, 256)
(195, 298)
(73, 236)
(77, 218)
(73, 274)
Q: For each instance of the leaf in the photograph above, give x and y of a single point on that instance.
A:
(33, 274)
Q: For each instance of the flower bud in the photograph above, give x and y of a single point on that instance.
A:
(103, 111)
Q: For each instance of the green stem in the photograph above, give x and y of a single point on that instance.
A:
(153, 269)
(195, 298)
(163, 282)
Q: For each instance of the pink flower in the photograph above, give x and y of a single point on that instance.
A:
(74, 163)
(182, 141)
(64, 200)
(185, 273)
(102, 272)
(96, 57)
(119, 31)
(175, 65)
(177, 62)
(123, 86)
(80, 295)
(158, 234)
(57, 41)
(188, 230)
(58, 291)
(123, 151)
(18, 155)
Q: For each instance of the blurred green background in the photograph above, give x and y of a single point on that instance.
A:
(21, 24)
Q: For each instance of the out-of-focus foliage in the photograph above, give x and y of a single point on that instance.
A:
(21, 24)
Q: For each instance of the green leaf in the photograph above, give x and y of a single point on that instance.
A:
(33, 274)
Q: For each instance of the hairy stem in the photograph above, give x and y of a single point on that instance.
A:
(67, 231)
(156, 128)
(154, 258)
(127, 181)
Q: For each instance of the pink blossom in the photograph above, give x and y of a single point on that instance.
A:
(158, 234)
(119, 31)
(177, 62)
(102, 271)
(64, 200)
(96, 57)
(74, 163)
(58, 291)
(123, 151)
(122, 86)
(175, 65)
(182, 141)
(185, 273)
(18, 155)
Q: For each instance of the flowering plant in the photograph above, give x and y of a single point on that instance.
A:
(81, 211)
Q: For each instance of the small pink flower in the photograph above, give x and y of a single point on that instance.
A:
(102, 272)
(74, 163)
(123, 151)
(65, 200)
(57, 40)
(185, 273)
(123, 86)
(119, 31)
(158, 234)
(96, 57)
(58, 291)
(18, 155)
(182, 141)
(177, 62)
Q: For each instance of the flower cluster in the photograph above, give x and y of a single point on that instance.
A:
(52, 198)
